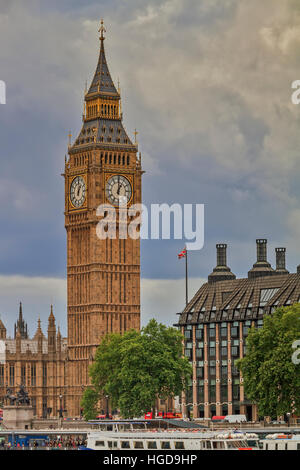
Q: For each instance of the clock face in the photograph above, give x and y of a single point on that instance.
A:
(118, 190)
(78, 191)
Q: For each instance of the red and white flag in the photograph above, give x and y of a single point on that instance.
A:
(182, 254)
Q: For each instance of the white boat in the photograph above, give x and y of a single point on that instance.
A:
(281, 442)
(171, 440)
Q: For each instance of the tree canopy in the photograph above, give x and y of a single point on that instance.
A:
(137, 367)
(271, 377)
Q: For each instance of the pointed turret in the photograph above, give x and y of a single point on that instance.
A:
(51, 332)
(18, 341)
(21, 325)
(2, 330)
(102, 82)
(39, 336)
(51, 319)
(58, 340)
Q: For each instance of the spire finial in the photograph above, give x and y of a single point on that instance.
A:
(70, 139)
(135, 135)
(102, 30)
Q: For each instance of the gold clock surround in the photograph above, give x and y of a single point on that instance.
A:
(129, 177)
(71, 179)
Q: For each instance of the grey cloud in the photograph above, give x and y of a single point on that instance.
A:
(206, 83)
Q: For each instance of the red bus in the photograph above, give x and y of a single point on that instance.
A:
(164, 415)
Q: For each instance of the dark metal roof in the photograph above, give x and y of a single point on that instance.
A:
(241, 299)
(102, 81)
(104, 131)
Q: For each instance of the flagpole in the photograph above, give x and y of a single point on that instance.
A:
(186, 277)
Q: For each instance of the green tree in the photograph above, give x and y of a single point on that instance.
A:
(139, 366)
(271, 378)
(89, 403)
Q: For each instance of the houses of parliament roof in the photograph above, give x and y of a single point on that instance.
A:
(225, 298)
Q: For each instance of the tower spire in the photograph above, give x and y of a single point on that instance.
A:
(21, 325)
(102, 30)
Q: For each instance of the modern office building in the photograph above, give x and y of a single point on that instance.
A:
(215, 324)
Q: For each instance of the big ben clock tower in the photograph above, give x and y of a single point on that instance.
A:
(103, 275)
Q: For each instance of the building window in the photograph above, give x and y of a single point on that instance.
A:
(199, 353)
(245, 330)
(187, 334)
(44, 375)
(201, 393)
(188, 353)
(12, 375)
(224, 371)
(224, 332)
(236, 392)
(224, 392)
(1, 375)
(212, 333)
(33, 375)
(199, 334)
(23, 375)
(212, 352)
(212, 391)
(234, 331)
(45, 411)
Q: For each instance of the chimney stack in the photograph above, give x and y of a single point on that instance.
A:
(261, 267)
(221, 272)
(280, 261)
(221, 254)
(261, 250)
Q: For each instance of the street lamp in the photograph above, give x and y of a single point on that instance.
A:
(106, 406)
(60, 406)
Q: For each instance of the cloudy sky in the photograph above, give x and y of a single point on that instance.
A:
(207, 83)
